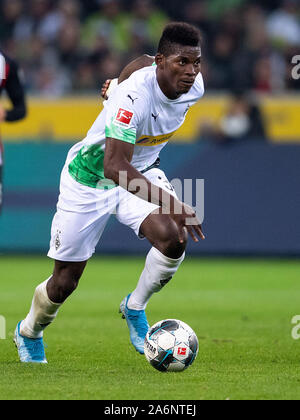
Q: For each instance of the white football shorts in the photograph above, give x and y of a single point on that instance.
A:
(83, 212)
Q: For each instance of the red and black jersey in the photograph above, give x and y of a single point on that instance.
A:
(15, 90)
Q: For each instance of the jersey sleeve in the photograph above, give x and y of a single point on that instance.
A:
(125, 114)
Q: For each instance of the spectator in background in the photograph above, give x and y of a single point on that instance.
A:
(262, 75)
(283, 25)
(254, 42)
(196, 12)
(39, 19)
(217, 8)
(111, 24)
(52, 82)
(69, 9)
(242, 120)
(220, 74)
(247, 45)
(10, 13)
(145, 26)
(68, 49)
(257, 65)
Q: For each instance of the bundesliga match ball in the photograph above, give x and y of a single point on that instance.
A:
(171, 346)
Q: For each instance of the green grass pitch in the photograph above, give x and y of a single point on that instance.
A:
(241, 311)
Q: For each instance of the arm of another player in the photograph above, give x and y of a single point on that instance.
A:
(137, 64)
(117, 167)
(16, 94)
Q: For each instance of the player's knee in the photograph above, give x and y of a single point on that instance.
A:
(169, 241)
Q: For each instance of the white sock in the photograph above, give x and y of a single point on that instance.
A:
(42, 313)
(158, 271)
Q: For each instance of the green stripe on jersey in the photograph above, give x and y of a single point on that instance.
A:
(120, 133)
(88, 169)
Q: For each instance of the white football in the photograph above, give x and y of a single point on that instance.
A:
(171, 345)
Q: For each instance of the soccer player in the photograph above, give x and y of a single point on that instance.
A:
(115, 169)
(10, 81)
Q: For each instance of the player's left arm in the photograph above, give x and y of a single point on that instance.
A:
(16, 94)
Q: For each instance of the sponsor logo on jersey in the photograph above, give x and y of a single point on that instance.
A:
(124, 117)
(153, 140)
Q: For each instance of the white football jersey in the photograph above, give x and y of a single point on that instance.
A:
(139, 113)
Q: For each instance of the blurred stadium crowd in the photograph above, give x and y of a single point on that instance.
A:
(69, 46)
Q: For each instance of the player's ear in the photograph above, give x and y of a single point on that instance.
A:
(159, 59)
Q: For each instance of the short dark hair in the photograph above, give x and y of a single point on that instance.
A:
(178, 33)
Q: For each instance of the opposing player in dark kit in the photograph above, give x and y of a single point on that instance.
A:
(10, 81)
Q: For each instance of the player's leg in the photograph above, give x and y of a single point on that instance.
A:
(49, 296)
(163, 260)
(47, 299)
(64, 280)
(74, 237)
(76, 229)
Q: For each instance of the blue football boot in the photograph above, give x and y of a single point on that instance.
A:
(31, 350)
(137, 324)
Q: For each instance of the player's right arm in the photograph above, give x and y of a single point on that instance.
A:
(117, 167)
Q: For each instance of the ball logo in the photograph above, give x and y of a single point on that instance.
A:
(124, 116)
(181, 351)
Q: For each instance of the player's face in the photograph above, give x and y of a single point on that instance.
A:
(177, 72)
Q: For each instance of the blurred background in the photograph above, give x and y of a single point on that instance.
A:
(242, 138)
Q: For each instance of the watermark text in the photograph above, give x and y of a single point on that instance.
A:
(296, 69)
(2, 328)
(170, 197)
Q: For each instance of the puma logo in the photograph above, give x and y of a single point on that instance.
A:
(132, 100)
(155, 116)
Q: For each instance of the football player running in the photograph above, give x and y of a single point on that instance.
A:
(115, 170)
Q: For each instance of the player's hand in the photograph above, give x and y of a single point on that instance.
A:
(187, 221)
(2, 114)
(104, 89)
